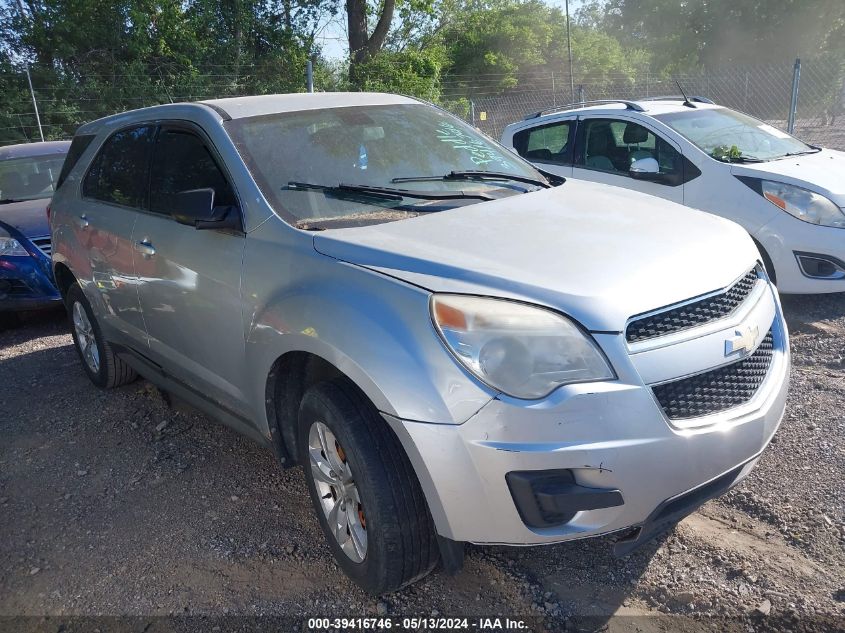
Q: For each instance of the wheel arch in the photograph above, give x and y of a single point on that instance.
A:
(64, 278)
(767, 260)
(290, 376)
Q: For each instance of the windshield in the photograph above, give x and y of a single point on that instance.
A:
(29, 178)
(718, 130)
(411, 148)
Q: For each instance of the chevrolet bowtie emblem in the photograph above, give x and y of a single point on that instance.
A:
(742, 340)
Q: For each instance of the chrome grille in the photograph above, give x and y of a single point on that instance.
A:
(44, 244)
(719, 389)
(692, 314)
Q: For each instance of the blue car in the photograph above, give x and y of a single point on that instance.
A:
(28, 176)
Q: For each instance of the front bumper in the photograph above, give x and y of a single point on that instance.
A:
(786, 238)
(611, 436)
(26, 283)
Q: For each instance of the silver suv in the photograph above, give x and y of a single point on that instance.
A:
(452, 349)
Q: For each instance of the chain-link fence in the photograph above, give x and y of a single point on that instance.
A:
(487, 101)
(764, 92)
(66, 100)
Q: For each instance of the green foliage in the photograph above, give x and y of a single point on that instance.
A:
(91, 59)
(505, 45)
(415, 73)
(725, 153)
(685, 35)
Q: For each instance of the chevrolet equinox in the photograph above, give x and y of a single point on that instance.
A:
(453, 349)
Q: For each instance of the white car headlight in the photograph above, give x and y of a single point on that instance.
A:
(9, 246)
(521, 350)
(803, 204)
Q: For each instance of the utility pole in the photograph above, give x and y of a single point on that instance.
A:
(569, 50)
(34, 102)
(793, 100)
(29, 80)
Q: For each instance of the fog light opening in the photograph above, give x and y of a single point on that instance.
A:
(820, 267)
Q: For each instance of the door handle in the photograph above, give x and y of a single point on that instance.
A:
(82, 221)
(145, 248)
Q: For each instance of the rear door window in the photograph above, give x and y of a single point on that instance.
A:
(184, 162)
(118, 174)
(550, 143)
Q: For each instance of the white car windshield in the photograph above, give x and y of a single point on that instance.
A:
(340, 167)
(729, 135)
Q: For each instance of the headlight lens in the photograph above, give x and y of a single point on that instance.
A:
(9, 246)
(804, 204)
(523, 351)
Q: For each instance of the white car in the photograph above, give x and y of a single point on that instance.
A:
(788, 195)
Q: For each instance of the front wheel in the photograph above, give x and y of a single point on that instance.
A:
(102, 365)
(367, 497)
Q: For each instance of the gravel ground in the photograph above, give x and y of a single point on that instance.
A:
(114, 503)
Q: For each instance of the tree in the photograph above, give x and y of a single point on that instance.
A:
(365, 44)
(711, 33)
(93, 59)
(508, 43)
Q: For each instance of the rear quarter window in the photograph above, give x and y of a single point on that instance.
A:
(77, 148)
(545, 143)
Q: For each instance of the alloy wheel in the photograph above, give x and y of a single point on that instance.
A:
(338, 492)
(85, 338)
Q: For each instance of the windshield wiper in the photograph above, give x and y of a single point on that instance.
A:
(813, 150)
(387, 193)
(741, 159)
(10, 200)
(477, 175)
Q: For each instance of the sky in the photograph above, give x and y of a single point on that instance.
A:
(333, 38)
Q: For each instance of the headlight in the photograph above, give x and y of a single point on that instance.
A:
(804, 204)
(521, 350)
(9, 246)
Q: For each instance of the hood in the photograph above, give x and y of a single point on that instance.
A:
(29, 217)
(600, 254)
(823, 172)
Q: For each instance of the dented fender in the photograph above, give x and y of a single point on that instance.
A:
(375, 329)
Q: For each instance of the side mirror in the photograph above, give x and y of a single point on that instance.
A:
(645, 169)
(195, 207)
(192, 205)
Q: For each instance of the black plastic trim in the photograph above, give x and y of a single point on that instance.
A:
(220, 111)
(545, 498)
(755, 184)
(673, 510)
(828, 258)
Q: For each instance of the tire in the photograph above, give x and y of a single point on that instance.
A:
(392, 516)
(99, 361)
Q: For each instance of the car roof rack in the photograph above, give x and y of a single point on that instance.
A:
(693, 99)
(629, 105)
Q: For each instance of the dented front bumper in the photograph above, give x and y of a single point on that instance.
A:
(26, 283)
(608, 437)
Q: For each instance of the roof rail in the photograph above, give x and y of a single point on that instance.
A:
(694, 99)
(629, 105)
